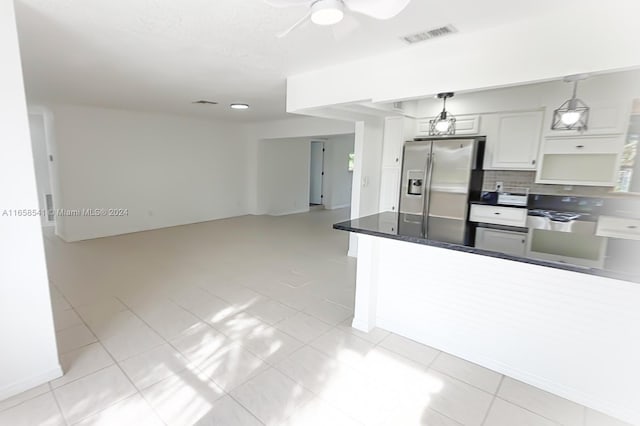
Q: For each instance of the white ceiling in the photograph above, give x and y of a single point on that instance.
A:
(160, 55)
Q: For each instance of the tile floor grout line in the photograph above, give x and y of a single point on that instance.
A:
(246, 409)
(493, 400)
(115, 362)
(55, 399)
(195, 367)
(555, 422)
(299, 299)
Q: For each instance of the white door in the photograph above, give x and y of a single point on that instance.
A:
(316, 172)
(41, 160)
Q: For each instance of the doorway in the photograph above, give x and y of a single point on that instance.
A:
(316, 174)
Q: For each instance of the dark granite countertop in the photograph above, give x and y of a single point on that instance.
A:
(385, 225)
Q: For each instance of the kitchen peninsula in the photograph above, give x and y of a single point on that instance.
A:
(545, 324)
(560, 316)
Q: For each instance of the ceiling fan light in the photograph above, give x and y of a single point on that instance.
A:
(327, 12)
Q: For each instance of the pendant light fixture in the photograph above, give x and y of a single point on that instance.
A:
(444, 123)
(572, 114)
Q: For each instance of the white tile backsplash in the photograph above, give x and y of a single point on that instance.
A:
(527, 179)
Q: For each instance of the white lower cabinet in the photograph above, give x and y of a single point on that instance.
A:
(618, 227)
(508, 242)
(498, 215)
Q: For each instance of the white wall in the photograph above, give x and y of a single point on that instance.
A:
(28, 357)
(284, 173)
(337, 177)
(295, 127)
(531, 50)
(283, 176)
(165, 170)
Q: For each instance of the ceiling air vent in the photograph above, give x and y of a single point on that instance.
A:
(203, 102)
(429, 34)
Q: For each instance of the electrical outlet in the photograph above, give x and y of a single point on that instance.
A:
(498, 186)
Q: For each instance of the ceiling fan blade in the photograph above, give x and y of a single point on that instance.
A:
(345, 28)
(294, 26)
(287, 3)
(378, 9)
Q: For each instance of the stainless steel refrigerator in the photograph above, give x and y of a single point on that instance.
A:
(439, 178)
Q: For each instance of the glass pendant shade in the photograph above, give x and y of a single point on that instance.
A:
(572, 115)
(444, 123)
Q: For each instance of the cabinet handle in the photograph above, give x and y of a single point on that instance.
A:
(524, 241)
(397, 159)
(496, 212)
(393, 207)
(579, 146)
(632, 227)
(533, 162)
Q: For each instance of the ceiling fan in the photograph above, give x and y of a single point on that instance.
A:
(330, 12)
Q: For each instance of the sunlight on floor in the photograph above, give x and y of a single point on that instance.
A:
(246, 321)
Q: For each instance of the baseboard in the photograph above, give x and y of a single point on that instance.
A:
(611, 408)
(30, 382)
(303, 210)
(361, 325)
(340, 206)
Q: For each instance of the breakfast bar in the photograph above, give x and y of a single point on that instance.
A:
(513, 315)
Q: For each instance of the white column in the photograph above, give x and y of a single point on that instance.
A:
(28, 357)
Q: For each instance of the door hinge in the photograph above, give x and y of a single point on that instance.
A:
(322, 149)
(322, 173)
(321, 196)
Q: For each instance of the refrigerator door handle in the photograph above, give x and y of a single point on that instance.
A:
(427, 195)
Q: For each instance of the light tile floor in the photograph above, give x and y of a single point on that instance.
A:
(246, 321)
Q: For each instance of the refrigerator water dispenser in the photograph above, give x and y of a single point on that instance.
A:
(415, 187)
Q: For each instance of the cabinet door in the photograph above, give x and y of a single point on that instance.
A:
(604, 118)
(389, 189)
(513, 243)
(465, 125)
(513, 140)
(587, 160)
(498, 215)
(393, 141)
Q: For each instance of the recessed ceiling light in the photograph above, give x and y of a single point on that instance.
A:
(239, 106)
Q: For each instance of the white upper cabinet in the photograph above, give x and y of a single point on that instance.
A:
(394, 137)
(465, 125)
(513, 140)
(584, 160)
(605, 118)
